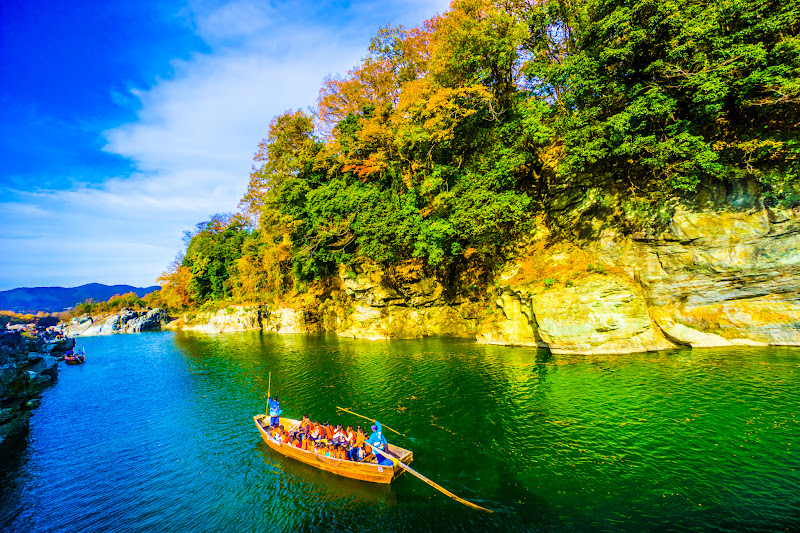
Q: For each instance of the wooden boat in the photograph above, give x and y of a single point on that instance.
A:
(75, 359)
(364, 471)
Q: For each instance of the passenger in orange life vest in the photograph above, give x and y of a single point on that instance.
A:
(305, 422)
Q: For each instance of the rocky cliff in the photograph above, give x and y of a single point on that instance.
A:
(27, 365)
(723, 270)
(126, 321)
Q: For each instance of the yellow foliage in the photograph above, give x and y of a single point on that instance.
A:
(175, 287)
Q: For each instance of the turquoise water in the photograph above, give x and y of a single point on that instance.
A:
(155, 433)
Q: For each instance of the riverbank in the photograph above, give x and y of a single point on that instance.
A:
(28, 364)
(125, 321)
(718, 276)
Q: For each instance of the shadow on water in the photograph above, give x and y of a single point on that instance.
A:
(337, 487)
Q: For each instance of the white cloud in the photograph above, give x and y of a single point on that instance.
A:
(192, 143)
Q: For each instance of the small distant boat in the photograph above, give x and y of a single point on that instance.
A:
(352, 469)
(76, 358)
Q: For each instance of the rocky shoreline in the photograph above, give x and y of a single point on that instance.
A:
(720, 276)
(125, 321)
(28, 364)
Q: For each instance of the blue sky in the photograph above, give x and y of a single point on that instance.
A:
(123, 124)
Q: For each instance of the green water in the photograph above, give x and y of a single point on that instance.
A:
(684, 440)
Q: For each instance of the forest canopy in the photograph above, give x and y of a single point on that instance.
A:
(448, 139)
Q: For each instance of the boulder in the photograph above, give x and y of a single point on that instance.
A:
(112, 324)
(43, 363)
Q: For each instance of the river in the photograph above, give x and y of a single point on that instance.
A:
(155, 433)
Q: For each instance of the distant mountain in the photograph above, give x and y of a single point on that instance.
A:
(51, 299)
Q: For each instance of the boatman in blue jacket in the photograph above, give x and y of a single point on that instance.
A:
(378, 442)
(274, 411)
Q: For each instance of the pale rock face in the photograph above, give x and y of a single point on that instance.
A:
(111, 325)
(517, 326)
(681, 334)
(400, 322)
(735, 275)
(234, 318)
(414, 308)
(95, 329)
(287, 320)
(601, 314)
(740, 256)
(127, 321)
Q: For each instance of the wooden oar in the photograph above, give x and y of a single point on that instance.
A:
(370, 419)
(436, 486)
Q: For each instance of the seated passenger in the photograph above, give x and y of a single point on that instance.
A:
(360, 437)
(358, 453)
(305, 422)
(315, 433)
(338, 435)
(349, 436)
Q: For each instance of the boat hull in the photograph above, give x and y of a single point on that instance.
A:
(363, 471)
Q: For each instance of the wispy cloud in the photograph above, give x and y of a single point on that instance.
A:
(192, 143)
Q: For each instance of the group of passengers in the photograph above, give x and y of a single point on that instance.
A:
(335, 441)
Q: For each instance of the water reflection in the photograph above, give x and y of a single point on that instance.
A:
(156, 432)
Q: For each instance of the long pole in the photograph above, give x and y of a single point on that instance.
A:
(269, 387)
(436, 486)
(368, 418)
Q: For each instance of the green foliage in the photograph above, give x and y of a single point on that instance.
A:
(674, 94)
(596, 268)
(212, 255)
(449, 139)
(115, 303)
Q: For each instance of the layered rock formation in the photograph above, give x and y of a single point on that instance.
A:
(234, 318)
(728, 274)
(27, 364)
(126, 321)
(722, 271)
